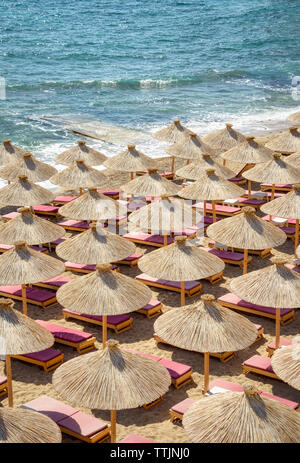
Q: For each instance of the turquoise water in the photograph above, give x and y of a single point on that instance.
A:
(140, 64)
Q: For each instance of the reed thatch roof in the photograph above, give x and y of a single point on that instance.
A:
(93, 206)
(205, 326)
(131, 160)
(30, 228)
(151, 184)
(224, 139)
(211, 187)
(95, 246)
(35, 171)
(22, 265)
(192, 147)
(80, 174)
(287, 206)
(286, 364)
(10, 153)
(294, 159)
(248, 152)
(247, 231)
(19, 334)
(165, 215)
(180, 262)
(275, 171)
(287, 142)
(197, 169)
(273, 286)
(24, 193)
(21, 426)
(295, 117)
(241, 417)
(80, 151)
(111, 379)
(104, 292)
(172, 133)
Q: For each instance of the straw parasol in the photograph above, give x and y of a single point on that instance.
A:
(21, 426)
(131, 160)
(206, 327)
(286, 364)
(10, 153)
(224, 139)
(273, 286)
(22, 265)
(180, 262)
(95, 246)
(30, 228)
(111, 379)
(192, 147)
(24, 193)
(294, 159)
(241, 417)
(275, 171)
(19, 335)
(36, 171)
(80, 151)
(93, 206)
(295, 117)
(197, 169)
(211, 187)
(288, 207)
(172, 133)
(246, 230)
(287, 142)
(103, 292)
(151, 184)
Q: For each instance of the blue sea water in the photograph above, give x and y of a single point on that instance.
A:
(140, 64)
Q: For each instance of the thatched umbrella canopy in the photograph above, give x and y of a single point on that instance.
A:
(103, 292)
(246, 231)
(274, 286)
(131, 160)
(22, 265)
(192, 147)
(224, 139)
(287, 142)
(151, 184)
(19, 335)
(172, 133)
(10, 153)
(35, 171)
(294, 159)
(295, 117)
(206, 327)
(211, 187)
(93, 206)
(197, 169)
(275, 171)
(30, 228)
(21, 426)
(95, 246)
(286, 364)
(241, 417)
(288, 207)
(80, 151)
(24, 193)
(180, 262)
(111, 379)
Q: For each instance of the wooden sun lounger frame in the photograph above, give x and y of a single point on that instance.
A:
(47, 366)
(82, 346)
(262, 253)
(234, 262)
(130, 263)
(52, 214)
(3, 389)
(222, 213)
(147, 243)
(43, 304)
(183, 380)
(247, 369)
(188, 292)
(266, 188)
(98, 438)
(151, 313)
(119, 328)
(72, 269)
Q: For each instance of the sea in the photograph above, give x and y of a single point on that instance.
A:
(122, 69)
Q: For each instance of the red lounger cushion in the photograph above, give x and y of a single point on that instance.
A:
(144, 354)
(54, 409)
(259, 362)
(111, 319)
(236, 256)
(218, 207)
(44, 355)
(233, 299)
(64, 333)
(174, 284)
(287, 402)
(83, 424)
(91, 267)
(174, 368)
(3, 380)
(74, 223)
(44, 208)
(64, 199)
(136, 439)
(182, 406)
(147, 237)
(39, 295)
(57, 281)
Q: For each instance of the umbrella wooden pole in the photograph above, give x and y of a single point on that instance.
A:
(165, 240)
(214, 211)
(249, 189)
(245, 264)
(113, 423)
(273, 191)
(131, 175)
(206, 373)
(182, 294)
(9, 381)
(296, 236)
(173, 164)
(187, 162)
(224, 162)
(277, 329)
(104, 330)
(80, 191)
(24, 300)
(204, 208)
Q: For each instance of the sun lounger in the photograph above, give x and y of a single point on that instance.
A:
(226, 211)
(82, 268)
(3, 386)
(118, 323)
(262, 194)
(48, 359)
(7, 247)
(111, 193)
(10, 216)
(258, 252)
(43, 209)
(147, 238)
(232, 301)
(81, 341)
(74, 225)
(260, 365)
(278, 187)
(34, 296)
(295, 268)
(70, 420)
(130, 260)
(229, 257)
(285, 222)
(191, 288)
(53, 283)
(238, 180)
(152, 309)
(136, 439)
(272, 345)
(254, 202)
(61, 200)
(55, 243)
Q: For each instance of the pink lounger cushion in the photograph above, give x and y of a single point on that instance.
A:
(133, 257)
(11, 246)
(174, 284)
(110, 192)
(83, 424)
(236, 256)
(74, 224)
(44, 355)
(60, 240)
(295, 268)
(253, 201)
(148, 237)
(3, 380)
(259, 362)
(45, 208)
(111, 319)
(91, 267)
(136, 439)
(65, 333)
(11, 215)
(182, 406)
(218, 207)
(54, 409)
(57, 281)
(283, 342)
(64, 199)
(233, 299)
(39, 295)
(278, 185)
(151, 304)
